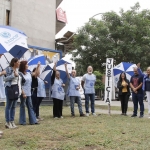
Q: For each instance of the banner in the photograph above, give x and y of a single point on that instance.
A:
(108, 80)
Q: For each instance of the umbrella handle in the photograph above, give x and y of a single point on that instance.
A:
(1, 67)
(6, 59)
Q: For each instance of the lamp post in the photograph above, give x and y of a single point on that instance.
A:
(105, 64)
(97, 14)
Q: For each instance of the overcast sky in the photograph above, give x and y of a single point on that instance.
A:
(79, 11)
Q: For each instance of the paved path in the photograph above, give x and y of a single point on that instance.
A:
(117, 103)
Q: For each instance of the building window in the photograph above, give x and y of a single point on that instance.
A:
(7, 17)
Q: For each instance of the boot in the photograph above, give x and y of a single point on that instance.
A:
(8, 125)
(13, 124)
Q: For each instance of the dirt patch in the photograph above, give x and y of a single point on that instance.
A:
(20, 143)
(92, 147)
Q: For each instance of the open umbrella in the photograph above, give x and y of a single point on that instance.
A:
(4, 63)
(13, 41)
(123, 67)
(32, 62)
(46, 74)
(2, 89)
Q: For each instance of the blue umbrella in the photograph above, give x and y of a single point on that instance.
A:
(13, 41)
(47, 72)
(32, 62)
(123, 67)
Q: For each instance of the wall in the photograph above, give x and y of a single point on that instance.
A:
(37, 19)
(4, 5)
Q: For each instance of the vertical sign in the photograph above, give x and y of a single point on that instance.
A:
(108, 80)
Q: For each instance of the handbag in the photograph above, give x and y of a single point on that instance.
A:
(13, 91)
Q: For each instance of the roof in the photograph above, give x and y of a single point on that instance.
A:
(67, 41)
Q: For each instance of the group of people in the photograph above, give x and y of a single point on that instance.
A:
(30, 88)
(58, 93)
(139, 84)
(27, 87)
(31, 91)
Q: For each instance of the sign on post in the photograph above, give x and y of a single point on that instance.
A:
(108, 80)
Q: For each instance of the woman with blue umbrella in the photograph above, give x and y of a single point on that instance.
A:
(58, 93)
(38, 91)
(12, 80)
(124, 92)
(26, 96)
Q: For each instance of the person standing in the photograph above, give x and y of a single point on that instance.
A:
(73, 92)
(58, 93)
(88, 82)
(11, 79)
(38, 91)
(136, 82)
(124, 92)
(26, 95)
(146, 87)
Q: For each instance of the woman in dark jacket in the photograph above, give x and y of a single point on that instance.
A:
(124, 92)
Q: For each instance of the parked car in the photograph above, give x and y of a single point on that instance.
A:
(117, 95)
(144, 98)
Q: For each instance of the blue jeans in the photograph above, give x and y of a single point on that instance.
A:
(72, 101)
(10, 108)
(90, 97)
(22, 117)
(138, 98)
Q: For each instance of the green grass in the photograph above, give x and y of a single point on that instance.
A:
(103, 132)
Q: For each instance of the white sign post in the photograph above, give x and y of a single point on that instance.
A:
(109, 82)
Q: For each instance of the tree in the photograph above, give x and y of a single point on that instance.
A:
(124, 37)
(99, 86)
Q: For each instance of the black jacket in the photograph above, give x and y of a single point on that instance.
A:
(119, 86)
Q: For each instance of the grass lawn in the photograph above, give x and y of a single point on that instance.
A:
(103, 132)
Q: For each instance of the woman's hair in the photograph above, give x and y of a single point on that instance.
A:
(14, 60)
(22, 67)
(120, 79)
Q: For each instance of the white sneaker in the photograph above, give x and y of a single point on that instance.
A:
(37, 120)
(13, 124)
(87, 114)
(94, 114)
(61, 117)
(55, 117)
(1, 132)
(8, 125)
(40, 119)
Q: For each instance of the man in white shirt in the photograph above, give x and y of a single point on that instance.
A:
(88, 82)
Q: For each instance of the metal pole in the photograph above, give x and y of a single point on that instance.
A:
(109, 109)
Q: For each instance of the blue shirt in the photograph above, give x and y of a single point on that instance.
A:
(147, 84)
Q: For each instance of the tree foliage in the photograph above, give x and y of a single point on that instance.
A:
(99, 84)
(124, 37)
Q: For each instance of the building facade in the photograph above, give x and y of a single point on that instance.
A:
(36, 18)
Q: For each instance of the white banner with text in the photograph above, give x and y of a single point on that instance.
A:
(109, 80)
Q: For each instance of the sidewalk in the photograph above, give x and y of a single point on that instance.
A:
(117, 103)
